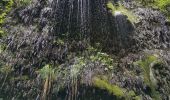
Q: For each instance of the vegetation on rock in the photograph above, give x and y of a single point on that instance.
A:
(163, 5)
(121, 9)
(84, 50)
(146, 65)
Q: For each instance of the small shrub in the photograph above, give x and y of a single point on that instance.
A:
(103, 58)
(47, 71)
(78, 65)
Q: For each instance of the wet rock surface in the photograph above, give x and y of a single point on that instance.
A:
(60, 32)
(152, 29)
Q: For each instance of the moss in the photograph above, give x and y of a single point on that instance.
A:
(22, 78)
(1, 33)
(145, 65)
(112, 89)
(131, 93)
(6, 69)
(137, 98)
(23, 2)
(2, 47)
(6, 10)
(111, 7)
(115, 90)
(159, 4)
(131, 16)
(132, 96)
(59, 42)
(163, 5)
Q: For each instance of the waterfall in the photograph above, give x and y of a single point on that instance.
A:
(71, 16)
(78, 20)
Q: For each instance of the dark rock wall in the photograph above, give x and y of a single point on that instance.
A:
(79, 19)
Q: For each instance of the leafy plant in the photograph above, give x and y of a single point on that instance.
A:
(47, 74)
(77, 66)
(47, 71)
(103, 58)
(145, 65)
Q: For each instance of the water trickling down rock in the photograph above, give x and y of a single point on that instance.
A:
(54, 31)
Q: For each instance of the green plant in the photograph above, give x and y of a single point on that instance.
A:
(22, 2)
(2, 47)
(77, 66)
(6, 8)
(137, 98)
(5, 70)
(145, 64)
(47, 73)
(96, 55)
(103, 58)
(130, 95)
(119, 92)
(1, 33)
(59, 42)
(111, 7)
(164, 5)
(159, 4)
(113, 89)
(119, 8)
(23, 78)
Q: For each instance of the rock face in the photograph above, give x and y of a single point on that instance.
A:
(152, 30)
(78, 19)
(71, 16)
(75, 37)
(124, 31)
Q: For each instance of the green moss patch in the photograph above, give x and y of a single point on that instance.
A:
(119, 8)
(115, 90)
(164, 5)
(112, 89)
(5, 10)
